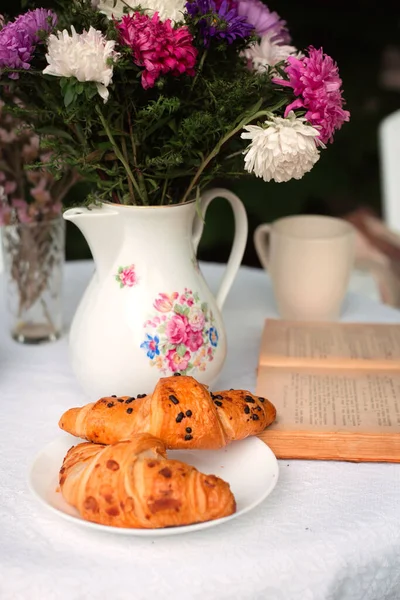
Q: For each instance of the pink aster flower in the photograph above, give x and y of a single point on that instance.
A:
(157, 46)
(316, 83)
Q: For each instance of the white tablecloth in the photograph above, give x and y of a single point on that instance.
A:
(329, 531)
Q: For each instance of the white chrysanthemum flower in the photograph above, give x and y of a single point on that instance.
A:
(284, 149)
(167, 9)
(87, 56)
(268, 52)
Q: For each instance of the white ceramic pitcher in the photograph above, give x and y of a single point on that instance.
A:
(147, 311)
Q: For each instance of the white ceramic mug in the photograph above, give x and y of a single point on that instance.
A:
(309, 259)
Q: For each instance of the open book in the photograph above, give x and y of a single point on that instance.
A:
(336, 388)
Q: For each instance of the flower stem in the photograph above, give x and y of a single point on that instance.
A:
(130, 186)
(142, 183)
(199, 69)
(164, 190)
(118, 152)
(217, 148)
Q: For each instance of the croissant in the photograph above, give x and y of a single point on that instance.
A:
(133, 484)
(181, 412)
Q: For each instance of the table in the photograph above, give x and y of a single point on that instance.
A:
(329, 531)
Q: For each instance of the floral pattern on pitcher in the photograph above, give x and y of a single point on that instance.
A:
(182, 335)
(126, 276)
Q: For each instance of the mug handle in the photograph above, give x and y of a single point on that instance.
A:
(239, 241)
(261, 243)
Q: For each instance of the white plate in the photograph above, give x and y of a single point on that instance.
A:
(249, 466)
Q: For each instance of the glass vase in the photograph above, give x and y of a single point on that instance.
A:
(33, 255)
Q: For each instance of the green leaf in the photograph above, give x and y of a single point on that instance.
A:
(204, 307)
(64, 82)
(172, 125)
(179, 309)
(161, 328)
(181, 350)
(153, 183)
(90, 90)
(69, 97)
(48, 130)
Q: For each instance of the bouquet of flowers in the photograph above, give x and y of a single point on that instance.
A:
(154, 101)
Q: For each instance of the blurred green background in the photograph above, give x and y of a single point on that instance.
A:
(364, 38)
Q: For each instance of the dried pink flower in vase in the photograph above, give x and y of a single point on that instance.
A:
(30, 195)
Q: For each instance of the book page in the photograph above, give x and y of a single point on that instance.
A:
(332, 400)
(344, 345)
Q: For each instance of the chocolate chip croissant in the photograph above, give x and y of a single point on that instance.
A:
(133, 484)
(181, 411)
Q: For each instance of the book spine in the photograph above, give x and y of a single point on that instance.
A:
(331, 363)
(360, 447)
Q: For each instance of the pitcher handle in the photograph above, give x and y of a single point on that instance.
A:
(239, 241)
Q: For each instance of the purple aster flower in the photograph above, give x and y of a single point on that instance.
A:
(221, 20)
(19, 38)
(16, 49)
(37, 22)
(263, 20)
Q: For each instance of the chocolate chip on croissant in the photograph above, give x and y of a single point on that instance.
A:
(133, 484)
(181, 411)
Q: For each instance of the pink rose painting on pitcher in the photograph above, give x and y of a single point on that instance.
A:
(182, 335)
(126, 276)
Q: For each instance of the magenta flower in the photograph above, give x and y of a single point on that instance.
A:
(176, 330)
(316, 83)
(19, 38)
(158, 47)
(176, 362)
